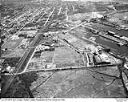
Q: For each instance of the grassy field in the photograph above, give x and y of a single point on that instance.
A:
(12, 44)
(65, 57)
(76, 84)
(15, 53)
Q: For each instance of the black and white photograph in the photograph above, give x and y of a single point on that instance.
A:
(64, 49)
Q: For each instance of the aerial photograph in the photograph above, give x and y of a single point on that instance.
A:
(64, 48)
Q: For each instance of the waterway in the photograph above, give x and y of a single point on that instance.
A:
(120, 50)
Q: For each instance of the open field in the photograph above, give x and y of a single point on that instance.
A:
(76, 84)
(12, 44)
